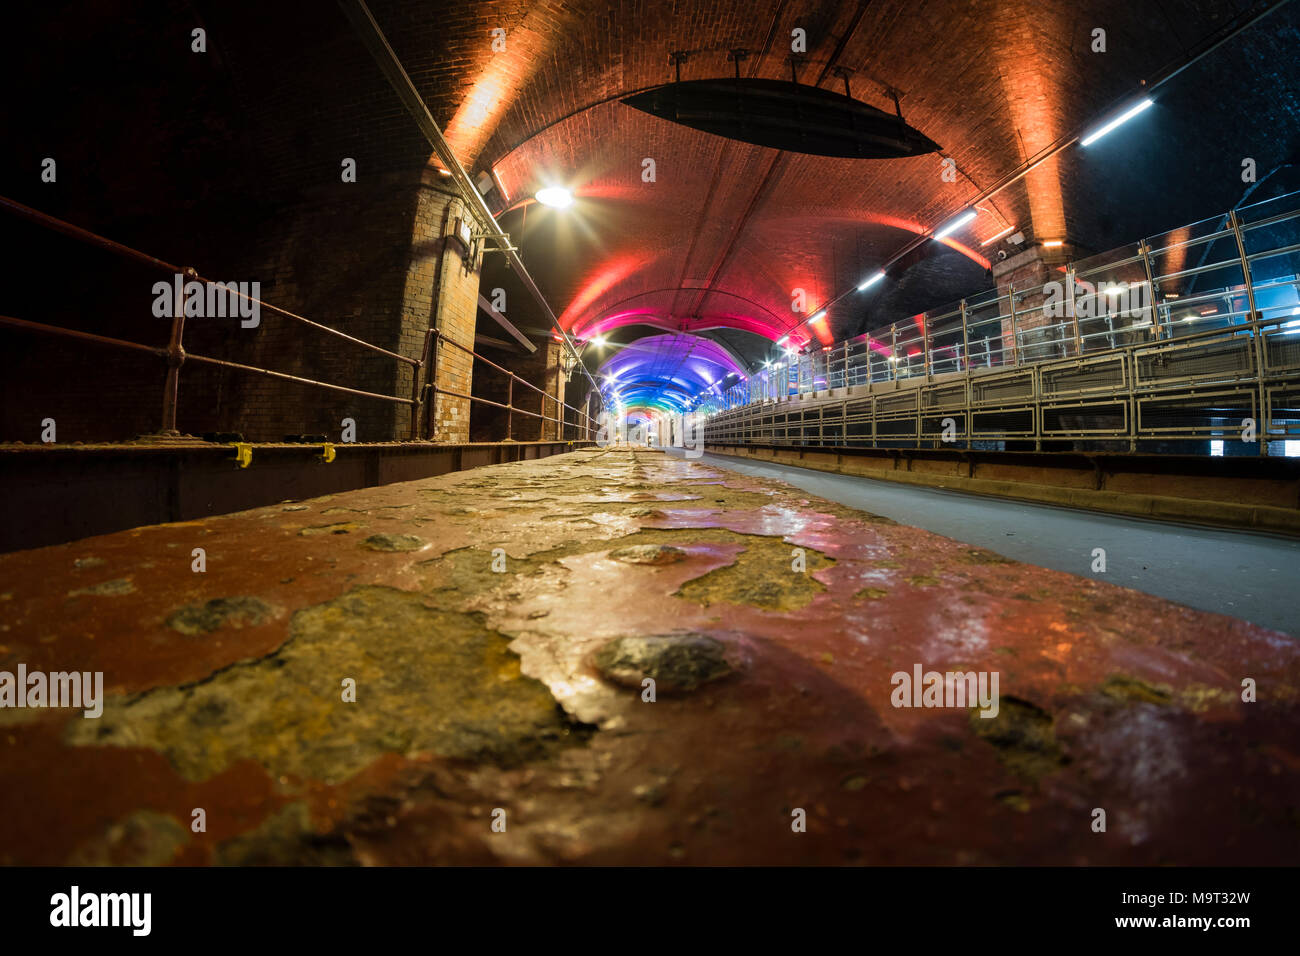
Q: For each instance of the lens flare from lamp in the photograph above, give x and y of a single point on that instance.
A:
(556, 197)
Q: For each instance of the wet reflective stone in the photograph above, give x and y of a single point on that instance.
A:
(677, 662)
(648, 554)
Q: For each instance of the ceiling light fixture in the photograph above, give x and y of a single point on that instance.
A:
(868, 283)
(955, 224)
(995, 238)
(557, 197)
(1124, 118)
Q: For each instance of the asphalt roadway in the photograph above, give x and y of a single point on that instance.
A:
(1245, 574)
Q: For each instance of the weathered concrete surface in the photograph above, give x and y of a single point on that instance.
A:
(498, 625)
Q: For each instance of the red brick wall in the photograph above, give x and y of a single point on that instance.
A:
(1025, 275)
(553, 384)
(339, 259)
(228, 161)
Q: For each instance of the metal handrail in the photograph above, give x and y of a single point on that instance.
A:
(85, 235)
(1022, 330)
(175, 354)
(584, 423)
(1264, 385)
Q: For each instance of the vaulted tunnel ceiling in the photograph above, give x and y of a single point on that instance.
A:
(724, 232)
(667, 371)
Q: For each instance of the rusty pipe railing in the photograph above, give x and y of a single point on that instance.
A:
(175, 356)
(583, 425)
(174, 353)
(85, 235)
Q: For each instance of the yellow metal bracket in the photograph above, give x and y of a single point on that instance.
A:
(243, 453)
(327, 455)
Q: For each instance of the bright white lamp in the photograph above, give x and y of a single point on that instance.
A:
(555, 196)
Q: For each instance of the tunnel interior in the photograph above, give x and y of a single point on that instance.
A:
(631, 433)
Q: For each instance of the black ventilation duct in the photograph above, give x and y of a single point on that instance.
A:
(785, 115)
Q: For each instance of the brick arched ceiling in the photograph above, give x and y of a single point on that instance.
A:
(726, 231)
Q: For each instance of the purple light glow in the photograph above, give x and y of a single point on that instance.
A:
(667, 370)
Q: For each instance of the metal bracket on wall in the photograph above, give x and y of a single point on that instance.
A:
(501, 238)
(243, 453)
(327, 453)
(478, 247)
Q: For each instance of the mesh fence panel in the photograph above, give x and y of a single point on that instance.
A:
(1002, 388)
(945, 396)
(1199, 416)
(1282, 351)
(1090, 377)
(1109, 418)
(1019, 421)
(1284, 410)
(1207, 361)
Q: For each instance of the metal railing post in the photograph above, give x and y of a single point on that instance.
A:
(1261, 427)
(175, 359)
(965, 340)
(1074, 312)
(1145, 250)
(433, 384)
(419, 377)
(1015, 335)
(510, 408)
(925, 346)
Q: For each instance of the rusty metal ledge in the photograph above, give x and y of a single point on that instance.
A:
(58, 493)
(502, 628)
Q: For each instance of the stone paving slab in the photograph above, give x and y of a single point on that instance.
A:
(495, 629)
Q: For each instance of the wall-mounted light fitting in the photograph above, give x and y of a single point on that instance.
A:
(995, 238)
(955, 224)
